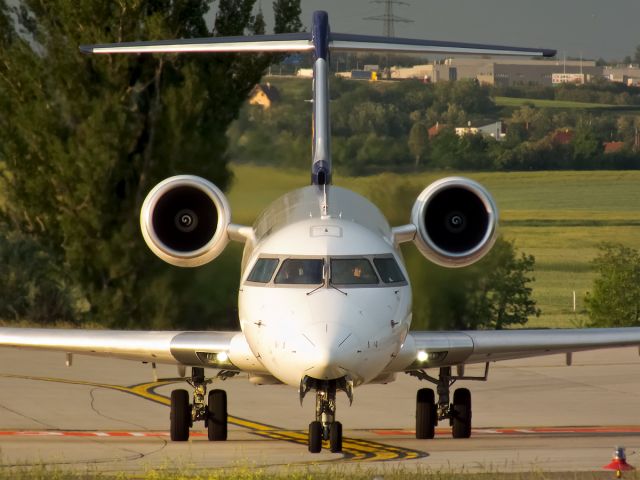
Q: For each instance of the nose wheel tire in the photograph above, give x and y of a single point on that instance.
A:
(461, 414)
(426, 414)
(315, 437)
(217, 416)
(180, 416)
(335, 437)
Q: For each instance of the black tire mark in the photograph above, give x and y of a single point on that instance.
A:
(99, 413)
(15, 412)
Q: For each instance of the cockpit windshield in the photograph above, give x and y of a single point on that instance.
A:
(389, 270)
(352, 271)
(263, 270)
(295, 271)
(343, 271)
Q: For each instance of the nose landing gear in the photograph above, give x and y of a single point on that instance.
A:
(213, 413)
(325, 427)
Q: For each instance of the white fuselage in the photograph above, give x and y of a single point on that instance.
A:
(334, 324)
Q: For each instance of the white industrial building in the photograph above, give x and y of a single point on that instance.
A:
(499, 72)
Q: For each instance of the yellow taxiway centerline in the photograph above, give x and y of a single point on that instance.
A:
(352, 449)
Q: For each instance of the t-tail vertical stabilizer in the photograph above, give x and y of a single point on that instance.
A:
(319, 42)
(321, 153)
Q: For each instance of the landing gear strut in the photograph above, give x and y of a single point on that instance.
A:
(325, 426)
(183, 414)
(458, 412)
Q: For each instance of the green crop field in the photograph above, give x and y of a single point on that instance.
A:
(559, 217)
(514, 102)
(541, 103)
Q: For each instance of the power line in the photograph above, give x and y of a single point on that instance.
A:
(388, 18)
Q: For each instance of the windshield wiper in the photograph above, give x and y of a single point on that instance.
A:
(322, 285)
(317, 288)
(333, 286)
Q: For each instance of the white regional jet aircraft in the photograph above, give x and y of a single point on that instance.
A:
(324, 297)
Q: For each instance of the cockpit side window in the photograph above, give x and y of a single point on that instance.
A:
(263, 270)
(389, 270)
(352, 271)
(300, 271)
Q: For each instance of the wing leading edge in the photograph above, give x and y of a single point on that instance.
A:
(226, 350)
(442, 349)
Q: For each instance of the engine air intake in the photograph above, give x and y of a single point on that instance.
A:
(184, 220)
(456, 222)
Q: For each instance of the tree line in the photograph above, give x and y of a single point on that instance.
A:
(84, 138)
(385, 126)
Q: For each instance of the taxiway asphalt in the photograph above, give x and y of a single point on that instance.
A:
(110, 415)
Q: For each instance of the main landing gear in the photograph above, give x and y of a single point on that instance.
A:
(325, 426)
(214, 412)
(458, 412)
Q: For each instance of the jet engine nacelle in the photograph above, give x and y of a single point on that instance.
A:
(184, 220)
(456, 221)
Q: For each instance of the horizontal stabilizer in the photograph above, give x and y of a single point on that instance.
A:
(301, 42)
(346, 41)
(284, 42)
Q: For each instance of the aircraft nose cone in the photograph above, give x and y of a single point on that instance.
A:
(333, 351)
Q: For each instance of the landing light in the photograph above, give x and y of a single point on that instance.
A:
(222, 357)
(430, 357)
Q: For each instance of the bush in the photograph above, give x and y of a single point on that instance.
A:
(615, 300)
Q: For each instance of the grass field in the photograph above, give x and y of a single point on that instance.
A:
(559, 217)
(541, 103)
(512, 102)
(301, 472)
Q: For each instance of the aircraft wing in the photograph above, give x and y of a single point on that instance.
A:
(225, 350)
(423, 349)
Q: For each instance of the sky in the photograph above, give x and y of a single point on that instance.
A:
(587, 28)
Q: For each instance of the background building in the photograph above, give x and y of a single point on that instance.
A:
(500, 72)
(627, 74)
